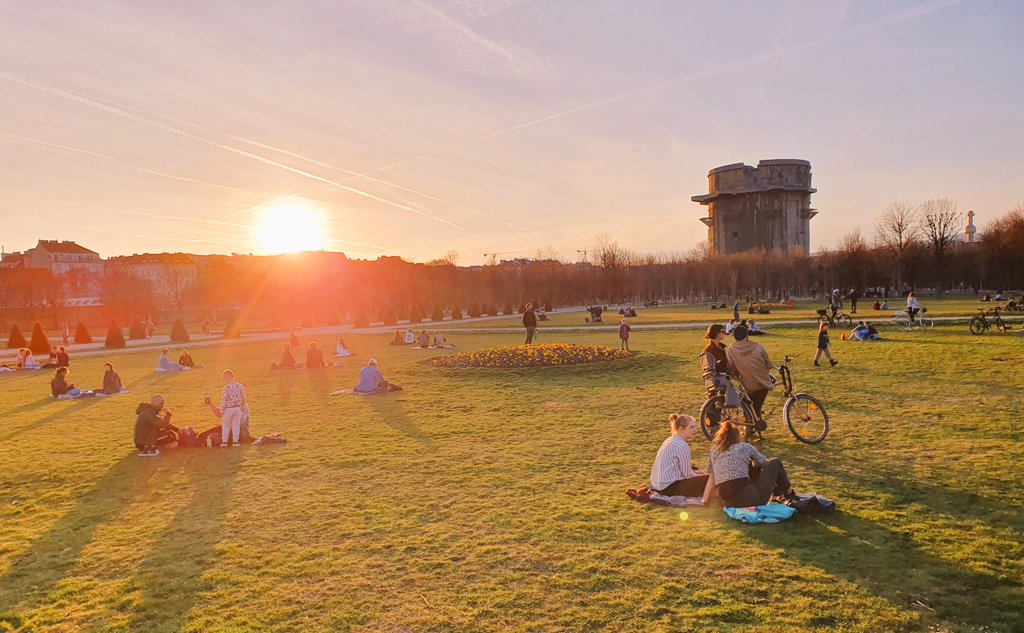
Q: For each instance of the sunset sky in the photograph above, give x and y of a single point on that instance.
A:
(415, 127)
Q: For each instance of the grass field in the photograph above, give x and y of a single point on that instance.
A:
(492, 500)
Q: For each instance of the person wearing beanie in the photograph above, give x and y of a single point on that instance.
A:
(714, 364)
(750, 361)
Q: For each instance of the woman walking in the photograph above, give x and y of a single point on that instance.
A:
(823, 345)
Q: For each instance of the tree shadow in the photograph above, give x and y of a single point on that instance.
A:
(34, 574)
(391, 412)
(169, 579)
(27, 407)
(285, 383)
(892, 566)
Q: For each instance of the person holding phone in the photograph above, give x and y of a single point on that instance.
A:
(233, 407)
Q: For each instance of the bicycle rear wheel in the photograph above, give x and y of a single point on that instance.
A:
(978, 326)
(806, 418)
(713, 413)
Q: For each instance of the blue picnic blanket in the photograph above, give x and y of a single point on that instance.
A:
(773, 513)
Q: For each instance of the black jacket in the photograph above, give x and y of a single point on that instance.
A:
(147, 422)
(529, 318)
(823, 340)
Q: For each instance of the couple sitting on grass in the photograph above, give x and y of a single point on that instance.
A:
(61, 388)
(737, 472)
(314, 358)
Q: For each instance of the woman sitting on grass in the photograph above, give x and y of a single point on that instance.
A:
(743, 476)
(111, 381)
(60, 386)
(314, 357)
(185, 359)
(342, 350)
(287, 360)
(166, 364)
(672, 473)
(26, 360)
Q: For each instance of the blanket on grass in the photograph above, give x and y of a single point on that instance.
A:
(771, 513)
(653, 497)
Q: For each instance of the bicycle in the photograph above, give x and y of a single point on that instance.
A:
(804, 414)
(981, 323)
(902, 320)
(840, 319)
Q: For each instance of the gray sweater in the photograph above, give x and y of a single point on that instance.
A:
(733, 463)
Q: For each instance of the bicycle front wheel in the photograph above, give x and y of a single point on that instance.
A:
(978, 326)
(901, 323)
(844, 320)
(806, 418)
(927, 322)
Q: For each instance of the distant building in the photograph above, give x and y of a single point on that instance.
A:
(170, 275)
(765, 207)
(63, 258)
(970, 230)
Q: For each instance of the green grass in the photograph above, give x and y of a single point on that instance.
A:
(492, 500)
(702, 314)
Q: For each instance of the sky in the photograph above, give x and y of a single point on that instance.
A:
(418, 127)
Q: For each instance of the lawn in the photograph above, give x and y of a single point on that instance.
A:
(492, 500)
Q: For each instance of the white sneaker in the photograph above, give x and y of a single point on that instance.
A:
(156, 451)
(224, 445)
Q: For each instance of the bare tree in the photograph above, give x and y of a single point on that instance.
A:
(179, 283)
(452, 257)
(939, 223)
(897, 231)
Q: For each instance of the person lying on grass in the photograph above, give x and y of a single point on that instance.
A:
(372, 381)
(741, 475)
(166, 364)
(111, 381)
(673, 474)
(150, 419)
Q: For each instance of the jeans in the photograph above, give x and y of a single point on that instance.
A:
(822, 350)
(764, 482)
(529, 334)
(231, 420)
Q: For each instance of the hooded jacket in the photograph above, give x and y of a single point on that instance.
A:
(751, 362)
(147, 422)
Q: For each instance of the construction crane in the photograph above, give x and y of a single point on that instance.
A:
(492, 258)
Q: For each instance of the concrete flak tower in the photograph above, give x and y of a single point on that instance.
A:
(971, 230)
(766, 207)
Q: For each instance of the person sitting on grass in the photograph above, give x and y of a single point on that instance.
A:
(314, 356)
(185, 359)
(398, 339)
(150, 418)
(166, 364)
(754, 329)
(741, 475)
(111, 381)
(410, 338)
(341, 351)
(672, 474)
(26, 360)
(423, 340)
(63, 360)
(730, 326)
(60, 386)
(372, 381)
(294, 340)
(873, 334)
(287, 360)
(876, 305)
(859, 333)
(439, 339)
(885, 305)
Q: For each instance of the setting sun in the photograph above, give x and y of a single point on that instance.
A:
(290, 227)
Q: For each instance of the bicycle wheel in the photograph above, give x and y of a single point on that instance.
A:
(713, 410)
(978, 326)
(901, 323)
(844, 320)
(806, 418)
(926, 321)
(998, 323)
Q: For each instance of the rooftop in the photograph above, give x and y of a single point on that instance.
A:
(70, 248)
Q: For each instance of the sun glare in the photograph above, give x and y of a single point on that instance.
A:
(291, 227)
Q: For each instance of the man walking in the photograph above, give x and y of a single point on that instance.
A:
(529, 322)
(751, 362)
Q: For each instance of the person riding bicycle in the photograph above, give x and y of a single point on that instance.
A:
(714, 364)
(913, 307)
(750, 361)
(835, 302)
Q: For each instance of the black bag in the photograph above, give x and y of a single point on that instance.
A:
(812, 504)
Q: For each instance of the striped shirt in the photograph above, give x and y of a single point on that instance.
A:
(233, 395)
(733, 463)
(672, 463)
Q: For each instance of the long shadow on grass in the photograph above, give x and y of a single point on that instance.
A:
(26, 407)
(78, 405)
(392, 413)
(892, 566)
(34, 574)
(319, 381)
(285, 384)
(169, 578)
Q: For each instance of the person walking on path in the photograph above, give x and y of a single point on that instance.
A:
(823, 346)
(233, 407)
(736, 311)
(854, 295)
(529, 322)
(624, 335)
(65, 335)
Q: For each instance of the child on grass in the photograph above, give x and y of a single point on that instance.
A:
(823, 346)
(624, 335)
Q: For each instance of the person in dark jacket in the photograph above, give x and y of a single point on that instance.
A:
(111, 381)
(314, 356)
(63, 360)
(185, 359)
(823, 346)
(60, 386)
(529, 322)
(150, 418)
(287, 360)
(714, 364)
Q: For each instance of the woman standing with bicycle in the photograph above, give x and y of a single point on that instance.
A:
(743, 476)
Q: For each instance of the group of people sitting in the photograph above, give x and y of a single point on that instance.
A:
(314, 356)
(865, 332)
(753, 329)
(153, 426)
(424, 340)
(26, 360)
(185, 361)
(883, 305)
(62, 388)
(627, 311)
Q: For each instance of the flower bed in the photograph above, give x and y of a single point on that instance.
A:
(530, 356)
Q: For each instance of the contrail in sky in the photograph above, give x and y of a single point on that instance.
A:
(229, 148)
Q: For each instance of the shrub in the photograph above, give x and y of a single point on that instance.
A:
(332, 319)
(507, 310)
(473, 311)
(415, 315)
(438, 314)
(39, 343)
(547, 307)
(233, 327)
(388, 317)
(359, 319)
(137, 330)
(456, 313)
(16, 340)
(115, 339)
(82, 336)
(530, 356)
(178, 332)
(402, 315)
